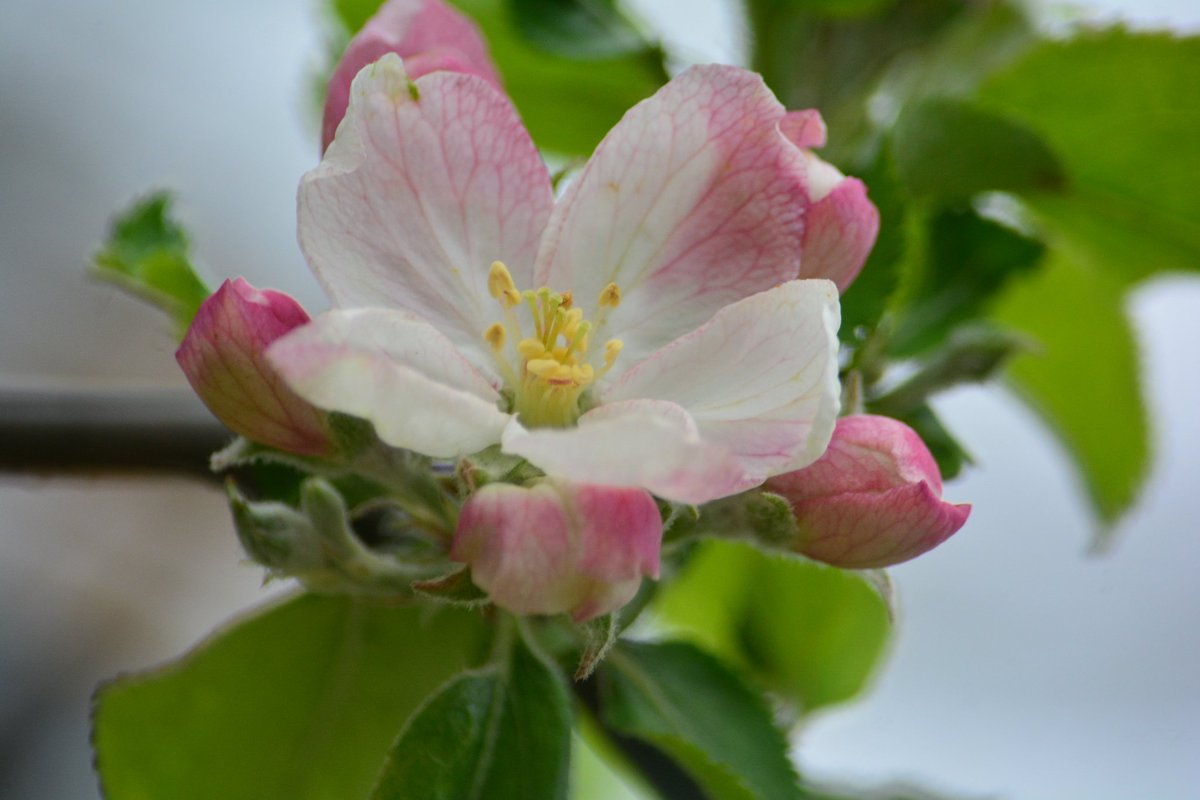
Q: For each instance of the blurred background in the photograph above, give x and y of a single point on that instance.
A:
(1023, 667)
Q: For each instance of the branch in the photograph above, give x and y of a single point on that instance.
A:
(69, 431)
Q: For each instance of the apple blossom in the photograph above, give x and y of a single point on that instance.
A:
(222, 356)
(428, 34)
(872, 500)
(559, 547)
(645, 330)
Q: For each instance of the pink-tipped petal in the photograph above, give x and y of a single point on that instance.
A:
(693, 201)
(559, 547)
(397, 372)
(760, 379)
(840, 233)
(426, 184)
(223, 357)
(428, 34)
(648, 443)
(805, 128)
(874, 498)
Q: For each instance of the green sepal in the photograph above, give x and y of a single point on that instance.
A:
(599, 635)
(455, 588)
(317, 544)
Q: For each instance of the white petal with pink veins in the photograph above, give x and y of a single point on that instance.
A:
(426, 184)
(693, 201)
(399, 373)
(759, 379)
(646, 443)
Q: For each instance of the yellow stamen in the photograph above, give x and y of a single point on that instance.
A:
(610, 296)
(495, 336)
(612, 349)
(531, 348)
(501, 286)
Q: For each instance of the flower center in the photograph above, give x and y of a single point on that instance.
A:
(552, 369)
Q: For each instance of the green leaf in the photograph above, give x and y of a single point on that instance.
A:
(1085, 382)
(299, 701)
(834, 64)
(567, 104)
(1122, 112)
(947, 150)
(971, 355)
(147, 255)
(865, 300)
(501, 732)
(809, 632)
(968, 260)
(578, 29)
(685, 702)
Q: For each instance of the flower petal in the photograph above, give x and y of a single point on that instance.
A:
(693, 201)
(646, 443)
(840, 233)
(223, 357)
(872, 500)
(425, 185)
(399, 373)
(559, 547)
(428, 34)
(759, 379)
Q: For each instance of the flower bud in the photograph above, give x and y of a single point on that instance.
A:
(841, 223)
(872, 500)
(222, 356)
(559, 547)
(428, 34)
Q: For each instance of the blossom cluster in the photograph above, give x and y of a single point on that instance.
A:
(663, 333)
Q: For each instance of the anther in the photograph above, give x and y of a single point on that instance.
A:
(495, 336)
(612, 349)
(610, 296)
(501, 286)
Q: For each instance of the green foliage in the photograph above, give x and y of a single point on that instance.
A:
(834, 63)
(147, 255)
(504, 731)
(727, 742)
(299, 701)
(1122, 112)
(948, 150)
(811, 633)
(967, 260)
(864, 303)
(578, 29)
(568, 104)
(1085, 381)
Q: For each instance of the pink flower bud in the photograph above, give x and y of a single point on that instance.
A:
(559, 547)
(222, 356)
(872, 500)
(841, 223)
(428, 34)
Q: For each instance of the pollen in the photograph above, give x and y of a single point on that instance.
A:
(552, 372)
